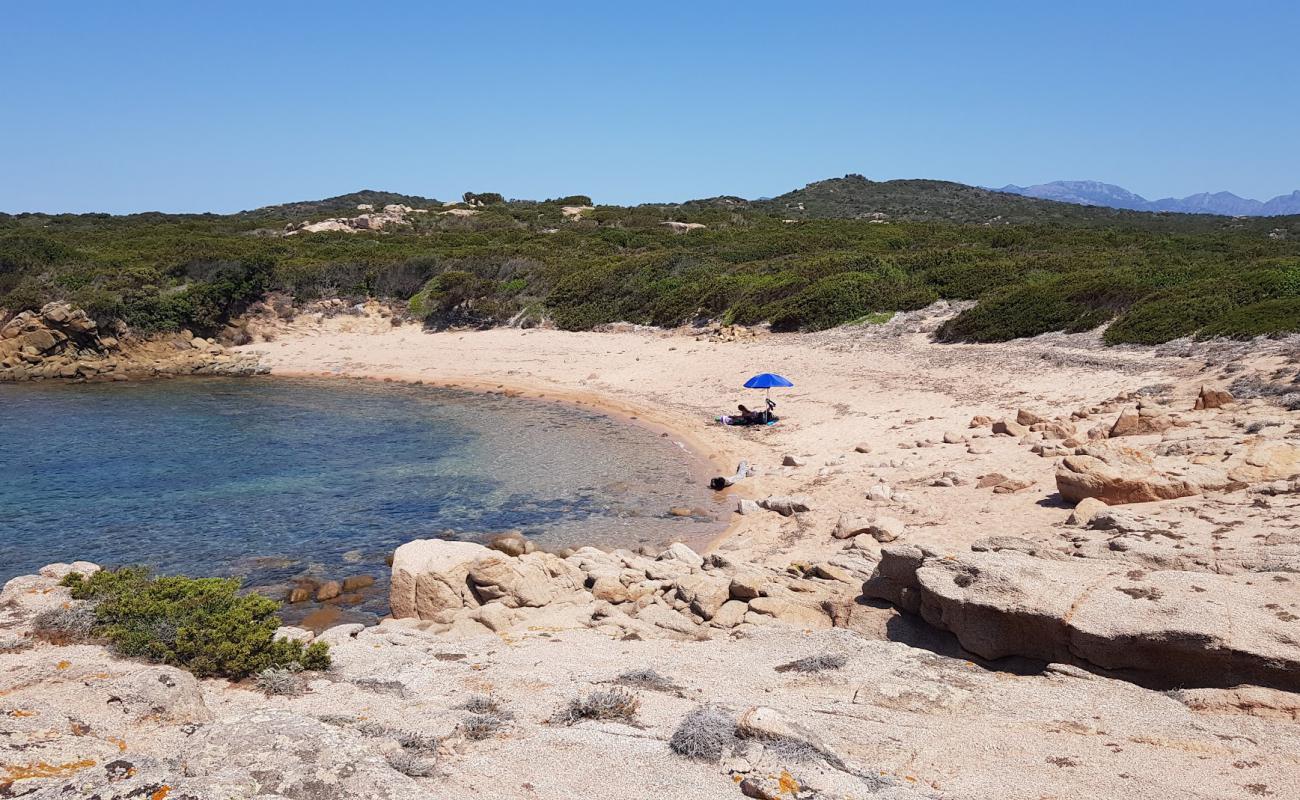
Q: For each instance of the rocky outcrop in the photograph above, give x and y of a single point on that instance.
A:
(431, 576)
(393, 215)
(293, 756)
(160, 694)
(1164, 628)
(462, 586)
(1118, 475)
(1145, 419)
(1212, 398)
(62, 342)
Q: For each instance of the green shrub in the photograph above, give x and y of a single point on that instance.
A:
(1280, 315)
(200, 624)
(849, 296)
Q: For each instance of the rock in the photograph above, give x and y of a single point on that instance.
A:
(1263, 460)
(532, 580)
(328, 591)
(1139, 422)
(789, 612)
(830, 572)
(667, 570)
(357, 582)
(880, 493)
(747, 586)
(729, 614)
(340, 634)
(768, 724)
(1212, 398)
(293, 634)
(952, 437)
(1083, 513)
(793, 461)
(979, 449)
(746, 506)
(1055, 430)
(990, 479)
(670, 620)
(430, 576)
(1009, 428)
(295, 757)
(704, 593)
(512, 543)
(980, 421)
(1012, 485)
(997, 544)
(1116, 476)
(29, 595)
(159, 694)
(862, 447)
(610, 590)
(786, 505)
(1124, 522)
(1028, 418)
(850, 525)
(1162, 627)
(681, 553)
(495, 617)
(60, 571)
(886, 529)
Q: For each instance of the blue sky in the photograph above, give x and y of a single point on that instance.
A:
(223, 106)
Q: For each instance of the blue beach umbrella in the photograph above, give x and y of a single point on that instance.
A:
(766, 380)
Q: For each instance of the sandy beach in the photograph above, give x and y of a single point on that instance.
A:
(885, 386)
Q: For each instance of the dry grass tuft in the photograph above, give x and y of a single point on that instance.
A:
(617, 704)
(821, 662)
(706, 733)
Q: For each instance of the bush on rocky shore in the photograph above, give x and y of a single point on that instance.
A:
(199, 624)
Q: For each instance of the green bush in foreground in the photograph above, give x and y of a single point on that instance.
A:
(199, 624)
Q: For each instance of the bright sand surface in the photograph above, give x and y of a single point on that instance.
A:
(887, 386)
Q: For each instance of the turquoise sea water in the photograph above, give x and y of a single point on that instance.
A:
(272, 479)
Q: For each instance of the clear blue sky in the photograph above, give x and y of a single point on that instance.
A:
(182, 106)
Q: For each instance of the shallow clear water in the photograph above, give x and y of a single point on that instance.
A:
(271, 479)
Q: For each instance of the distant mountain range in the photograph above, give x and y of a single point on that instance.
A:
(1108, 195)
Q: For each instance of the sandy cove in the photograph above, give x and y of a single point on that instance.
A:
(838, 696)
(886, 386)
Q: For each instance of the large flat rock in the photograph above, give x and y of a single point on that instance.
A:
(1164, 627)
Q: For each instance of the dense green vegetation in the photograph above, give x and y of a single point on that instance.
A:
(200, 624)
(1033, 265)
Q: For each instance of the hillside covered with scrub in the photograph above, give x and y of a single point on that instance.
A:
(834, 252)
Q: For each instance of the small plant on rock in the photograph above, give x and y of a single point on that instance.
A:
(706, 733)
(617, 703)
(820, 662)
(65, 625)
(480, 726)
(285, 682)
(646, 678)
(8, 646)
(482, 704)
(412, 765)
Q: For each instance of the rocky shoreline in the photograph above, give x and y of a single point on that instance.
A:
(62, 343)
(724, 680)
